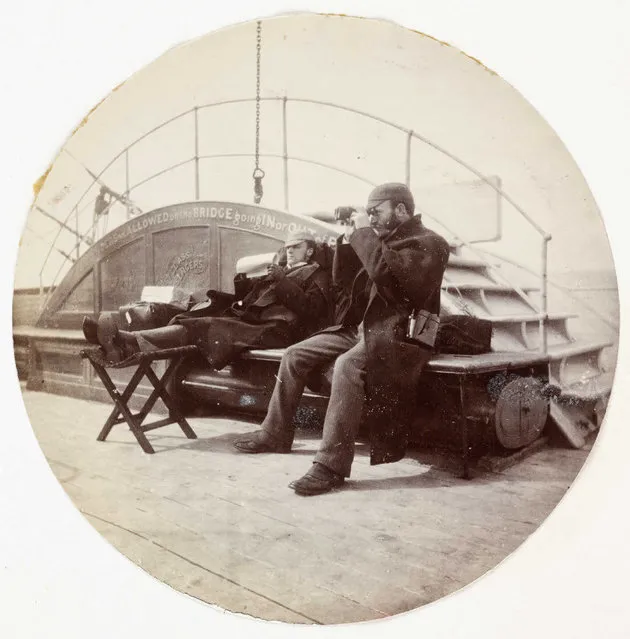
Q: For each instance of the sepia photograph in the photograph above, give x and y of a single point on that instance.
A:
(315, 319)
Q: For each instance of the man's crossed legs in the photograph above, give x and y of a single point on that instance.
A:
(343, 417)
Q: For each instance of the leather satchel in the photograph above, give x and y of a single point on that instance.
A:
(464, 335)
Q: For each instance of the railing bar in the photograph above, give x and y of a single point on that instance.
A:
(129, 146)
(53, 244)
(410, 133)
(127, 181)
(196, 111)
(128, 191)
(223, 155)
(331, 105)
(290, 157)
(482, 177)
(456, 237)
(335, 106)
(352, 110)
(408, 159)
(43, 239)
(285, 152)
(159, 126)
(170, 168)
(58, 221)
(76, 204)
(566, 289)
(543, 294)
(499, 210)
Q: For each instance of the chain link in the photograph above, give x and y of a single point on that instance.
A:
(258, 174)
(258, 49)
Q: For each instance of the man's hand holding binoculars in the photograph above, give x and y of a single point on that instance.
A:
(352, 219)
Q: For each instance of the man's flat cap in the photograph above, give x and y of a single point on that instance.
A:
(297, 237)
(394, 191)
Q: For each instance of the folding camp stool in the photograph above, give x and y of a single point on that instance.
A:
(143, 360)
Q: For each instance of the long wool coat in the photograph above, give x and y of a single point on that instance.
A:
(394, 275)
(263, 314)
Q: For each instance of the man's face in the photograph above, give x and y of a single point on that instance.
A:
(297, 253)
(383, 217)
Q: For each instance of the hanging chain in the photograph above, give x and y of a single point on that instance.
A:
(258, 47)
(258, 174)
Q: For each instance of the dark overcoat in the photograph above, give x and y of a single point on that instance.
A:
(391, 277)
(262, 314)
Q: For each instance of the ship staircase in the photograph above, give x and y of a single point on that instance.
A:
(479, 280)
(578, 365)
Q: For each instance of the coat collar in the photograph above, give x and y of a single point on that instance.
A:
(412, 226)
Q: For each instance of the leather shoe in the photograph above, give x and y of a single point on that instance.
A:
(259, 442)
(318, 480)
(107, 336)
(90, 328)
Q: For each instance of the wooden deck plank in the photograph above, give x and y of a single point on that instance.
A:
(192, 579)
(229, 530)
(388, 554)
(395, 537)
(254, 576)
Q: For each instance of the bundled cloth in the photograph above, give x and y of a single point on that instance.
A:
(157, 306)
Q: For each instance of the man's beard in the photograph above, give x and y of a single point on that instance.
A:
(389, 225)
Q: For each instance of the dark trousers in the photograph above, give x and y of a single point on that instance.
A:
(347, 398)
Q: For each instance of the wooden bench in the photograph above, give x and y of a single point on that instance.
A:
(464, 385)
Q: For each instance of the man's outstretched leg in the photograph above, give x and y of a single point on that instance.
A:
(343, 418)
(277, 430)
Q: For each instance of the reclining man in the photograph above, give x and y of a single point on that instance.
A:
(387, 267)
(271, 311)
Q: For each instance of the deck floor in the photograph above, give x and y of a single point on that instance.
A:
(224, 527)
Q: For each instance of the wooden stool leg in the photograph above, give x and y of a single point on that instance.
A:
(120, 401)
(174, 412)
(110, 387)
(135, 428)
(122, 413)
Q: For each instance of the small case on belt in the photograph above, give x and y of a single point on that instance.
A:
(422, 327)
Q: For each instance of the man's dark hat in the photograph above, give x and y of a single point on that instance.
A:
(394, 191)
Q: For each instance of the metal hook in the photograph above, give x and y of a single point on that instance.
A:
(258, 176)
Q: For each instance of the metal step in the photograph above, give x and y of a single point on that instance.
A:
(470, 277)
(534, 317)
(522, 332)
(488, 298)
(492, 286)
(574, 363)
(572, 423)
(466, 262)
(565, 351)
(589, 390)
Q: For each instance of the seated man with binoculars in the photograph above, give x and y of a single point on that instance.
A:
(387, 276)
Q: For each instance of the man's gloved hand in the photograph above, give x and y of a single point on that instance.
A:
(275, 272)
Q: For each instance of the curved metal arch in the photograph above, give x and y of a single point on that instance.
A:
(410, 134)
(293, 158)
